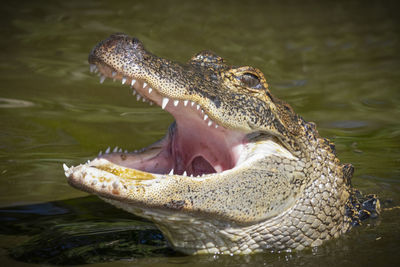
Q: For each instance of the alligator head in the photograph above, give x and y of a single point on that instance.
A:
(237, 172)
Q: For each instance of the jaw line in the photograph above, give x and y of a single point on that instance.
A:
(143, 91)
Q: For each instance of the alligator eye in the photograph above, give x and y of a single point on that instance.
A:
(251, 80)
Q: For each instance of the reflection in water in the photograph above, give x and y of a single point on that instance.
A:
(80, 231)
(335, 62)
(86, 230)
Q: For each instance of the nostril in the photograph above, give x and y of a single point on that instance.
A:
(137, 44)
(135, 41)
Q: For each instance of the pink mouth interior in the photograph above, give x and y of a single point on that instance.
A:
(199, 149)
(191, 146)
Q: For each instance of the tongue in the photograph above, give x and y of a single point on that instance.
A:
(200, 166)
(199, 149)
(196, 148)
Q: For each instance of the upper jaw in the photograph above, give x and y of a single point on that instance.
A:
(143, 90)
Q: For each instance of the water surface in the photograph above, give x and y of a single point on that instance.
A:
(336, 62)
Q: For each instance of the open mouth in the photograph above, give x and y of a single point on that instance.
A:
(195, 145)
(215, 149)
(199, 143)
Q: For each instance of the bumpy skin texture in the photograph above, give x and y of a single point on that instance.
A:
(290, 200)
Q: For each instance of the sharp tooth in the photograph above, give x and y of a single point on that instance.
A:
(198, 107)
(107, 150)
(191, 175)
(192, 103)
(115, 184)
(218, 168)
(125, 151)
(115, 149)
(113, 74)
(144, 85)
(92, 67)
(205, 117)
(133, 92)
(100, 153)
(171, 172)
(133, 82)
(176, 102)
(144, 99)
(65, 167)
(216, 126)
(102, 78)
(138, 97)
(164, 102)
(120, 150)
(151, 103)
(209, 123)
(123, 80)
(184, 173)
(150, 89)
(185, 102)
(202, 111)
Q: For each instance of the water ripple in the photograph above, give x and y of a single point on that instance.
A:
(14, 103)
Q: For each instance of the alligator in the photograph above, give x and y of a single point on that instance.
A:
(238, 172)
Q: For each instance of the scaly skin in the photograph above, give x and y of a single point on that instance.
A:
(262, 180)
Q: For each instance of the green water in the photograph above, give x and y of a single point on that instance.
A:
(336, 62)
